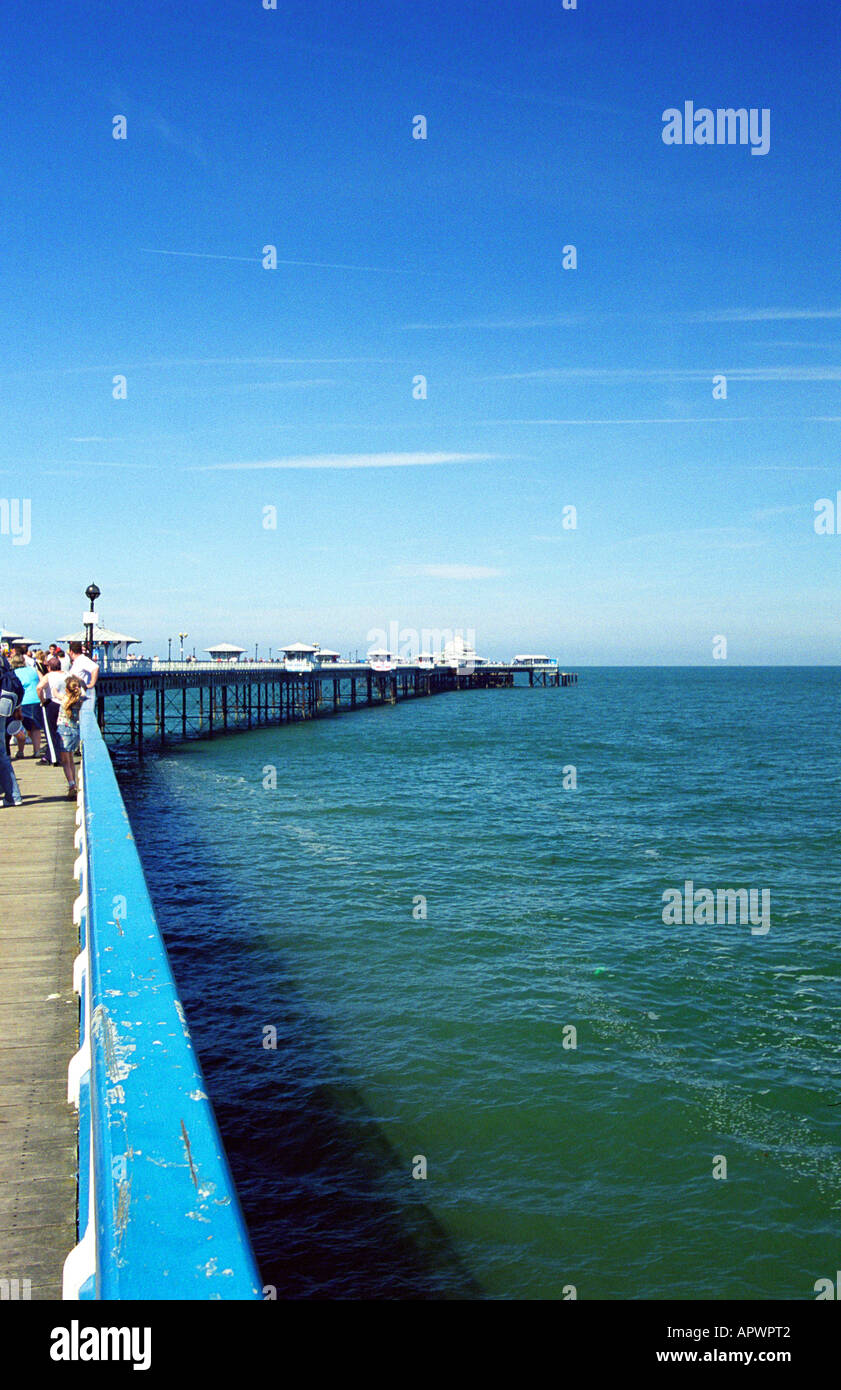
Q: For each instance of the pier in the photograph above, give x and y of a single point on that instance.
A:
(113, 1180)
(146, 705)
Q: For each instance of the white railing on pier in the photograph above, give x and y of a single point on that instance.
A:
(158, 1215)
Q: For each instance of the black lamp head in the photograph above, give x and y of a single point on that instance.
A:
(92, 592)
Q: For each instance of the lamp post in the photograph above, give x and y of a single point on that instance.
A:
(92, 594)
(169, 650)
(256, 645)
(181, 636)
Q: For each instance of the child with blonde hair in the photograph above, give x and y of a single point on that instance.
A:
(70, 706)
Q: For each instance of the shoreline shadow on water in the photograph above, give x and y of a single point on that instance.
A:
(332, 1210)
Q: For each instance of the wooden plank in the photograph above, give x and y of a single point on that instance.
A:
(38, 1031)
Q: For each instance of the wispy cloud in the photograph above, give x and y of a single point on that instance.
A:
(298, 384)
(446, 572)
(51, 469)
(789, 468)
(761, 315)
(722, 419)
(146, 119)
(597, 108)
(165, 363)
(516, 322)
(177, 138)
(349, 461)
(314, 265)
(525, 321)
(671, 374)
(790, 343)
(370, 61)
(765, 513)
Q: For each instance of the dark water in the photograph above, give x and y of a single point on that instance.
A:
(548, 1166)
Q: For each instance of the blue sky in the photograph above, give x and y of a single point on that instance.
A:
(547, 388)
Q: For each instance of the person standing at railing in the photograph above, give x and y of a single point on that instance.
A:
(30, 706)
(11, 694)
(51, 689)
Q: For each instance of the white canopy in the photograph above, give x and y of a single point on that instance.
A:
(458, 647)
(301, 647)
(103, 636)
(7, 636)
(225, 647)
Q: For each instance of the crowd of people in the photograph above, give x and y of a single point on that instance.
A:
(41, 698)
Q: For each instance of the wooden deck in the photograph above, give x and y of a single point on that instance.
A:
(38, 1032)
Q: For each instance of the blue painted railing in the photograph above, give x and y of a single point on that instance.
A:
(158, 1215)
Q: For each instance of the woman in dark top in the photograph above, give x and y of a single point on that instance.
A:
(11, 693)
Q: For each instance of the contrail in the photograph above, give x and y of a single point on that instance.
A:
(202, 255)
(315, 265)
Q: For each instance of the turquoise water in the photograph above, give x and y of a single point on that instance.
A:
(547, 1166)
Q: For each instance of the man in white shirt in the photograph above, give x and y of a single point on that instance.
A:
(50, 692)
(82, 666)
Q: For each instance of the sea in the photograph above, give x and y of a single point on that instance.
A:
(454, 1048)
